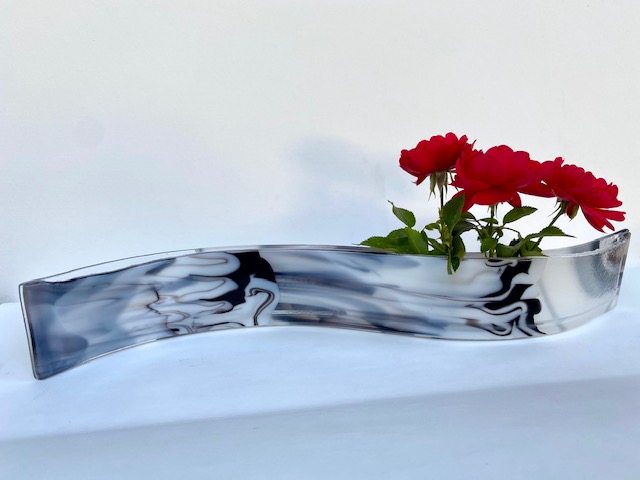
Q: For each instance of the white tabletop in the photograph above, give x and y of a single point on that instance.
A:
(305, 402)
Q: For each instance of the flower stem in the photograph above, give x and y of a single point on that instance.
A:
(441, 182)
(561, 211)
(494, 211)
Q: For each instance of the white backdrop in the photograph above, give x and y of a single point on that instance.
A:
(131, 127)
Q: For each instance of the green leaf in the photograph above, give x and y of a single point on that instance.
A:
(489, 220)
(530, 245)
(524, 247)
(453, 264)
(455, 254)
(551, 231)
(504, 251)
(416, 242)
(405, 216)
(397, 235)
(463, 226)
(396, 241)
(432, 226)
(376, 242)
(452, 211)
(531, 253)
(488, 244)
(517, 213)
(457, 248)
(438, 248)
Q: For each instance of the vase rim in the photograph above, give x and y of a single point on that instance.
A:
(592, 247)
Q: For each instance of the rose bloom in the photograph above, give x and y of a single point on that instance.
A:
(437, 154)
(498, 175)
(581, 189)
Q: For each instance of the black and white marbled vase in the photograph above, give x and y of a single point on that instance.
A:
(76, 316)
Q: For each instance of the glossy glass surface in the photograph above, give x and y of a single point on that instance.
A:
(79, 315)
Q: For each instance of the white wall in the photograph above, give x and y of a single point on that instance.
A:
(130, 127)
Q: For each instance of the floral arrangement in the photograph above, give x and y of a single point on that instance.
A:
(492, 178)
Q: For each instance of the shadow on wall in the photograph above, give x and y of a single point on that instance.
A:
(341, 191)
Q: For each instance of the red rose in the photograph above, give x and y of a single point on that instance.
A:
(581, 189)
(434, 155)
(498, 175)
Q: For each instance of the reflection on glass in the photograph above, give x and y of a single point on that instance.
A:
(79, 315)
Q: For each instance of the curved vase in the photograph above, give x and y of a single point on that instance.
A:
(76, 316)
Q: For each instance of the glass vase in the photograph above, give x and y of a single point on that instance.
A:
(82, 314)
